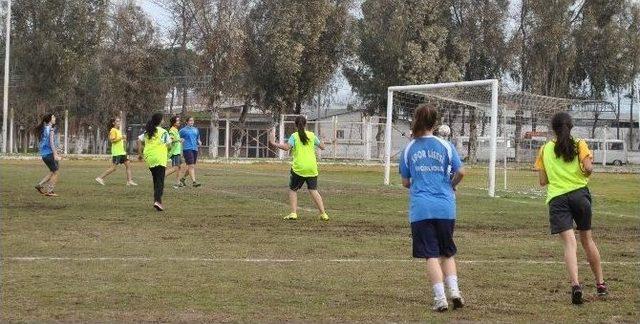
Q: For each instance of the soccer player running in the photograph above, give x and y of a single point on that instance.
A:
(564, 165)
(118, 153)
(152, 147)
(175, 151)
(304, 168)
(190, 145)
(425, 166)
(49, 154)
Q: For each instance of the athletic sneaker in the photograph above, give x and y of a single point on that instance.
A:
(576, 295)
(602, 289)
(324, 217)
(177, 186)
(158, 206)
(131, 183)
(51, 194)
(457, 300)
(39, 188)
(196, 185)
(100, 181)
(183, 182)
(440, 305)
(292, 216)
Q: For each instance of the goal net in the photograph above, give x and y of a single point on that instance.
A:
(498, 133)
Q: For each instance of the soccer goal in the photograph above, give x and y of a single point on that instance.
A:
(468, 102)
(496, 129)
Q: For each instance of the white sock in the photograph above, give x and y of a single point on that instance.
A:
(452, 283)
(438, 291)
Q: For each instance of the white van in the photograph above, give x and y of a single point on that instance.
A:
(484, 148)
(615, 151)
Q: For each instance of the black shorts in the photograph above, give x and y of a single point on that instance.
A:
(119, 159)
(176, 160)
(433, 238)
(296, 182)
(51, 162)
(573, 206)
(190, 156)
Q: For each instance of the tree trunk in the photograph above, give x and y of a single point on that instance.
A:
(596, 116)
(183, 51)
(379, 136)
(298, 108)
(472, 156)
(184, 100)
(517, 135)
(213, 133)
(618, 117)
(464, 109)
(633, 92)
(173, 95)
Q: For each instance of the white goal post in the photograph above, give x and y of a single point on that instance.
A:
(424, 90)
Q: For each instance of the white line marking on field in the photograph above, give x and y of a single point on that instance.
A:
(251, 260)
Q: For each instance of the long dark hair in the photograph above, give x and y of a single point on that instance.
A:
(173, 119)
(111, 125)
(45, 120)
(154, 122)
(424, 119)
(301, 122)
(565, 145)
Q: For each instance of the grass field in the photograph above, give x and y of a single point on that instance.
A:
(222, 253)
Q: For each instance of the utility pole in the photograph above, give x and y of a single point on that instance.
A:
(5, 103)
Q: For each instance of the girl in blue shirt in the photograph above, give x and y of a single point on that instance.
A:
(191, 137)
(49, 154)
(431, 168)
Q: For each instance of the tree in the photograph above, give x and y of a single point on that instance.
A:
(481, 24)
(53, 43)
(544, 52)
(182, 13)
(402, 42)
(220, 41)
(294, 49)
(131, 65)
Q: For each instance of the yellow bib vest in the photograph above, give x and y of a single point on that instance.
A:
(563, 176)
(304, 156)
(155, 148)
(117, 146)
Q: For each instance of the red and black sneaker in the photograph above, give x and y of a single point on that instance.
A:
(576, 295)
(602, 289)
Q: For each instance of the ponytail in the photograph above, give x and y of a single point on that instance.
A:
(565, 145)
(45, 120)
(301, 122)
(111, 125)
(154, 122)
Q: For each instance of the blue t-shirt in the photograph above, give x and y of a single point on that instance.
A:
(45, 143)
(429, 162)
(190, 135)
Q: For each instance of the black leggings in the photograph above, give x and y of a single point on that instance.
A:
(157, 173)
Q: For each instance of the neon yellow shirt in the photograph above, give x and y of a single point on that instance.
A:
(304, 155)
(176, 145)
(117, 144)
(155, 148)
(563, 176)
